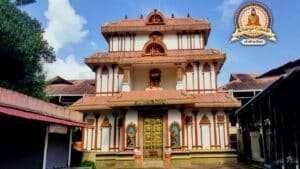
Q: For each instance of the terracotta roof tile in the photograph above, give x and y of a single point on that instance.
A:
(259, 81)
(172, 56)
(249, 82)
(168, 21)
(164, 97)
(14, 100)
(74, 87)
(171, 24)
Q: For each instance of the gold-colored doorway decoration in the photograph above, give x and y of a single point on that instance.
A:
(153, 137)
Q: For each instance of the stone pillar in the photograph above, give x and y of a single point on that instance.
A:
(98, 79)
(121, 124)
(116, 79)
(115, 115)
(126, 78)
(110, 79)
(189, 132)
(201, 40)
(195, 113)
(179, 84)
(215, 128)
(213, 76)
(200, 77)
(195, 76)
(97, 131)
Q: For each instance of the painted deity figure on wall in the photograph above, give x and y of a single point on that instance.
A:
(175, 134)
(131, 135)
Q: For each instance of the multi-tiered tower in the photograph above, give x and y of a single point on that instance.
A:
(156, 91)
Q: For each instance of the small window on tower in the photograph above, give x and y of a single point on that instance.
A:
(155, 78)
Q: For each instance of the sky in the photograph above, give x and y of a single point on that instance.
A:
(72, 28)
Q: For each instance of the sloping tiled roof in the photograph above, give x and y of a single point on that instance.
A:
(169, 24)
(127, 25)
(16, 104)
(249, 82)
(282, 69)
(72, 87)
(171, 56)
(148, 98)
(259, 81)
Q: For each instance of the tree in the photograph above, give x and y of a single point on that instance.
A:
(24, 2)
(23, 51)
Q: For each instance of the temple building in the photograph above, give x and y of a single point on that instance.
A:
(156, 93)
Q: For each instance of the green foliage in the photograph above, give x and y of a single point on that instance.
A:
(90, 164)
(24, 2)
(23, 51)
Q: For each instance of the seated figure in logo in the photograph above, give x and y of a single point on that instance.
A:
(253, 18)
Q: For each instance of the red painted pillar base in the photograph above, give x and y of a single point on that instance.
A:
(167, 159)
(138, 158)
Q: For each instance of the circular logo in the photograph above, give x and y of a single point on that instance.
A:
(253, 20)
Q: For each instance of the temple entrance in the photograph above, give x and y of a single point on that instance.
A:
(153, 136)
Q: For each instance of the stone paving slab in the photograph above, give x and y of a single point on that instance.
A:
(236, 166)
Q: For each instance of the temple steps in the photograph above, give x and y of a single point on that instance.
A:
(155, 164)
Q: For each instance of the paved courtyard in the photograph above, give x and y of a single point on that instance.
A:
(235, 166)
(159, 165)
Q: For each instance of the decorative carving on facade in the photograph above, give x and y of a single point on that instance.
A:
(155, 45)
(90, 121)
(205, 120)
(105, 122)
(155, 18)
(188, 120)
(189, 68)
(220, 118)
(206, 68)
(104, 70)
(131, 135)
(175, 134)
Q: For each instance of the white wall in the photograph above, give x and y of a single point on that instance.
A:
(140, 40)
(198, 79)
(171, 40)
(201, 113)
(110, 82)
(190, 41)
(121, 43)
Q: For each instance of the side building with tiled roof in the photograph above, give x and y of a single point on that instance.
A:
(248, 88)
(244, 86)
(34, 133)
(65, 92)
(156, 94)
